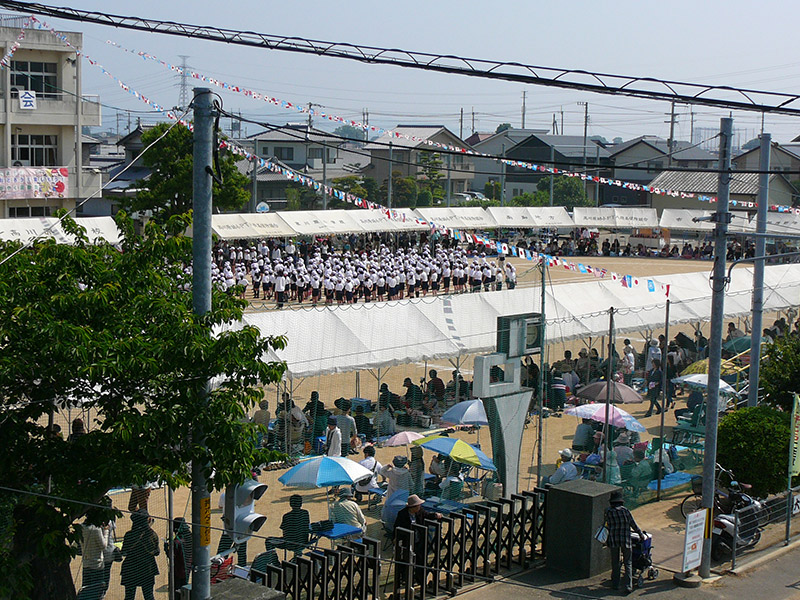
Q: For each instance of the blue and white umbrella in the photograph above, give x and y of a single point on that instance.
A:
(469, 412)
(324, 471)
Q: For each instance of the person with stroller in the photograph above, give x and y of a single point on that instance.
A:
(620, 523)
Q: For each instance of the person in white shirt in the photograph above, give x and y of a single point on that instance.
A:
(363, 486)
(280, 288)
(333, 439)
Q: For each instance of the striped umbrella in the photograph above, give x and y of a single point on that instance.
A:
(324, 471)
(458, 450)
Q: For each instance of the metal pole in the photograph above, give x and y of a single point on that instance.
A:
(552, 166)
(539, 418)
(448, 181)
(597, 185)
(389, 183)
(718, 282)
(585, 132)
(254, 193)
(171, 538)
(201, 300)
(664, 384)
(758, 270)
(503, 178)
(324, 178)
(609, 383)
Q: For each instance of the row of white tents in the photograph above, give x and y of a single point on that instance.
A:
(342, 222)
(376, 335)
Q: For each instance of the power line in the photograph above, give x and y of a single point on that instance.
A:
(576, 79)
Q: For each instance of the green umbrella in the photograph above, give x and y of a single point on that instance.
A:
(737, 345)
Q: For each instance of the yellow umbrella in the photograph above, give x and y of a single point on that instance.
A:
(700, 367)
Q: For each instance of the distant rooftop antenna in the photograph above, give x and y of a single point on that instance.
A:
(183, 98)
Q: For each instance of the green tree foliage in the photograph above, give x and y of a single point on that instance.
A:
(540, 198)
(754, 444)
(302, 197)
(779, 375)
(485, 203)
(502, 127)
(430, 164)
(492, 190)
(404, 191)
(350, 132)
(424, 198)
(567, 191)
(363, 187)
(168, 190)
(113, 331)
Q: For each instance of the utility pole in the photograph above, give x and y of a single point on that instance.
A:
(523, 108)
(671, 141)
(449, 183)
(691, 130)
(503, 178)
(555, 125)
(473, 119)
(461, 124)
(758, 269)
(585, 132)
(201, 301)
(389, 183)
(562, 120)
(553, 166)
(254, 193)
(718, 283)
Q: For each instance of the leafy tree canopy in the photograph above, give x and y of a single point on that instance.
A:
(567, 191)
(168, 190)
(761, 464)
(348, 131)
(540, 198)
(404, 191)
(779, 375)
(113, 331)
(502, 127)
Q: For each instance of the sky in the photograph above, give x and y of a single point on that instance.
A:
(737, 43)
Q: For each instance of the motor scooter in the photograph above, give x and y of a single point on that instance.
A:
(747, 534)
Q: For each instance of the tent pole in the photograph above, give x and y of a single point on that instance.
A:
(542, 365)
(609, 384)
(664, 383)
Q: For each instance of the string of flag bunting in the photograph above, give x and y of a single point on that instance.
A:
(6, 60)
(626, 281)
(310, 110)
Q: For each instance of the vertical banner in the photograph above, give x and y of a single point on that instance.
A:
(794, 444)
(696, 531)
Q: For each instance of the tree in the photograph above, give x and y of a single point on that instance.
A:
(567, 191)
(404, 191)
(492, 190)
(540, 198)
(424, 198)
(430, 164)
(115, 331)
(502, 127)
(302, 197)
(763, 464)
(363, 187)
(350, 132)
(168, 190)
(779, 375)
(749, 145)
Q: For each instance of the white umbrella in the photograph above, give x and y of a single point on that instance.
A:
(403, 438)
(597, 412)
(468, 412)
(700, 380)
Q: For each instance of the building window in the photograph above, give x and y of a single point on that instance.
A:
(41, 77)
(315, 153)
(34, 150)
(654, 166)
(284, 152)
(20, 212)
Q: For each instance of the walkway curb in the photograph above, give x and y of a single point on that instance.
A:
(770, 555)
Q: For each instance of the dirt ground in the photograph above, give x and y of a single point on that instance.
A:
(557, 431)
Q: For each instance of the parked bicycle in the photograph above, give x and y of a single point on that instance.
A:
(728, 497)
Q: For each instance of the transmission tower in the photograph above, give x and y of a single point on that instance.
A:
(183, 98)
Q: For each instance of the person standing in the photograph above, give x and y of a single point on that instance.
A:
(333, 439)
(620, 523)
(628, 365)
(346, 424)
(654, 388)
(139, 551)
(295, 526)
(95, 541)
(398, 475)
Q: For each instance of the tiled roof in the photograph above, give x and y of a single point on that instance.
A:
(706, 183)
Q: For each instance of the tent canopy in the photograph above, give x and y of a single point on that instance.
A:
(25, 230)
(512, 216)
(400, 332)
(682, 219)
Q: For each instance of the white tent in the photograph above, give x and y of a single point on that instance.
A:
(268, 225)
(512, 216)
(25, 230)
(442, 217)
(474, 217)
(321, 222)
(681, 219)
(594, 217)
(550, 216)
(633, 218)
(785, 223)
(374, 221)
(100, 229)
(348, 338)
(232, 227)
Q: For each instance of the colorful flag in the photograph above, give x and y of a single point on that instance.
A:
(651, 286)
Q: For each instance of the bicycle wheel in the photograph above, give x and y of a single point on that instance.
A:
(691, 504)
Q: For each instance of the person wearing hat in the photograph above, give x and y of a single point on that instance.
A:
(397, 474)
(346, 511)
(139, 551)
(566, 472)
(333, 438)
(583, 366)
(620, 523)
(653, 354)
(413, 514)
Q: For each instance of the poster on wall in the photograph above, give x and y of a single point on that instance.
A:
(34, 182)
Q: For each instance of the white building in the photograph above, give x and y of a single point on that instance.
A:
(42, 112)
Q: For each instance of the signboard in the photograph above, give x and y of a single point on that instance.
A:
(693, 542)
(794, 445)
(205, 521)
(34, 182)
(795, 504)
(262, 207)
(27, 100)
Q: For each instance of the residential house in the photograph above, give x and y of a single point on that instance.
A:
(42, 115)
(782, 157)
(406, 152)
(641, 159)
(568, 153)
(743, 189)
(497, 144)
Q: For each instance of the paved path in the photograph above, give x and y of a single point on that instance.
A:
(777, 579)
